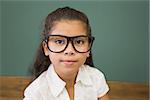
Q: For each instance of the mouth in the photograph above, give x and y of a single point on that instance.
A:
(68, 62)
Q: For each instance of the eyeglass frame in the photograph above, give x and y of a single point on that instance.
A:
(69, 39)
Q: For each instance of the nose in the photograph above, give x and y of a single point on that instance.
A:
(69, 50)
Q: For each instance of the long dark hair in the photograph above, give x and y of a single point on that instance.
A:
(42, 62)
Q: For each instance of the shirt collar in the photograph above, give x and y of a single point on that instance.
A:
(55, 83)
(83, 76)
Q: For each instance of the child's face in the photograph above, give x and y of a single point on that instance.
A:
(69, 60)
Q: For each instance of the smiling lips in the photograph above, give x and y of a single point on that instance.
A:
(68, 62)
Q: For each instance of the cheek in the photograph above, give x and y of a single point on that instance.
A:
(83, 58)
(53, 57)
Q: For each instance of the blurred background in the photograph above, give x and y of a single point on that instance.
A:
(121, 48)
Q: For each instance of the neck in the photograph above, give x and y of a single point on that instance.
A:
(70, 83)
(69, 79)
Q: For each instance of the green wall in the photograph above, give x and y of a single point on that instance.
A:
(121, 30)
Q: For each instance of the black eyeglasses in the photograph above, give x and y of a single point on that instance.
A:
(58, 43)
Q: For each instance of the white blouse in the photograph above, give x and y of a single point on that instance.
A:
(90, 85)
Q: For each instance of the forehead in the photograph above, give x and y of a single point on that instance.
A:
(69, 28)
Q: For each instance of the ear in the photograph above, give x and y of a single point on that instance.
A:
(46, 51)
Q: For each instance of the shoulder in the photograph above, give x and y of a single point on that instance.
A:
(98, 80)
(36, 86)
(94, 72)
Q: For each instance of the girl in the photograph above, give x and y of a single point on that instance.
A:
(64, 67)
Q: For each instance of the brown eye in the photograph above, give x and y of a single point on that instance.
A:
(79, 42)
(59, 41)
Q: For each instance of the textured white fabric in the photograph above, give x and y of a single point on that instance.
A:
(90, 85)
